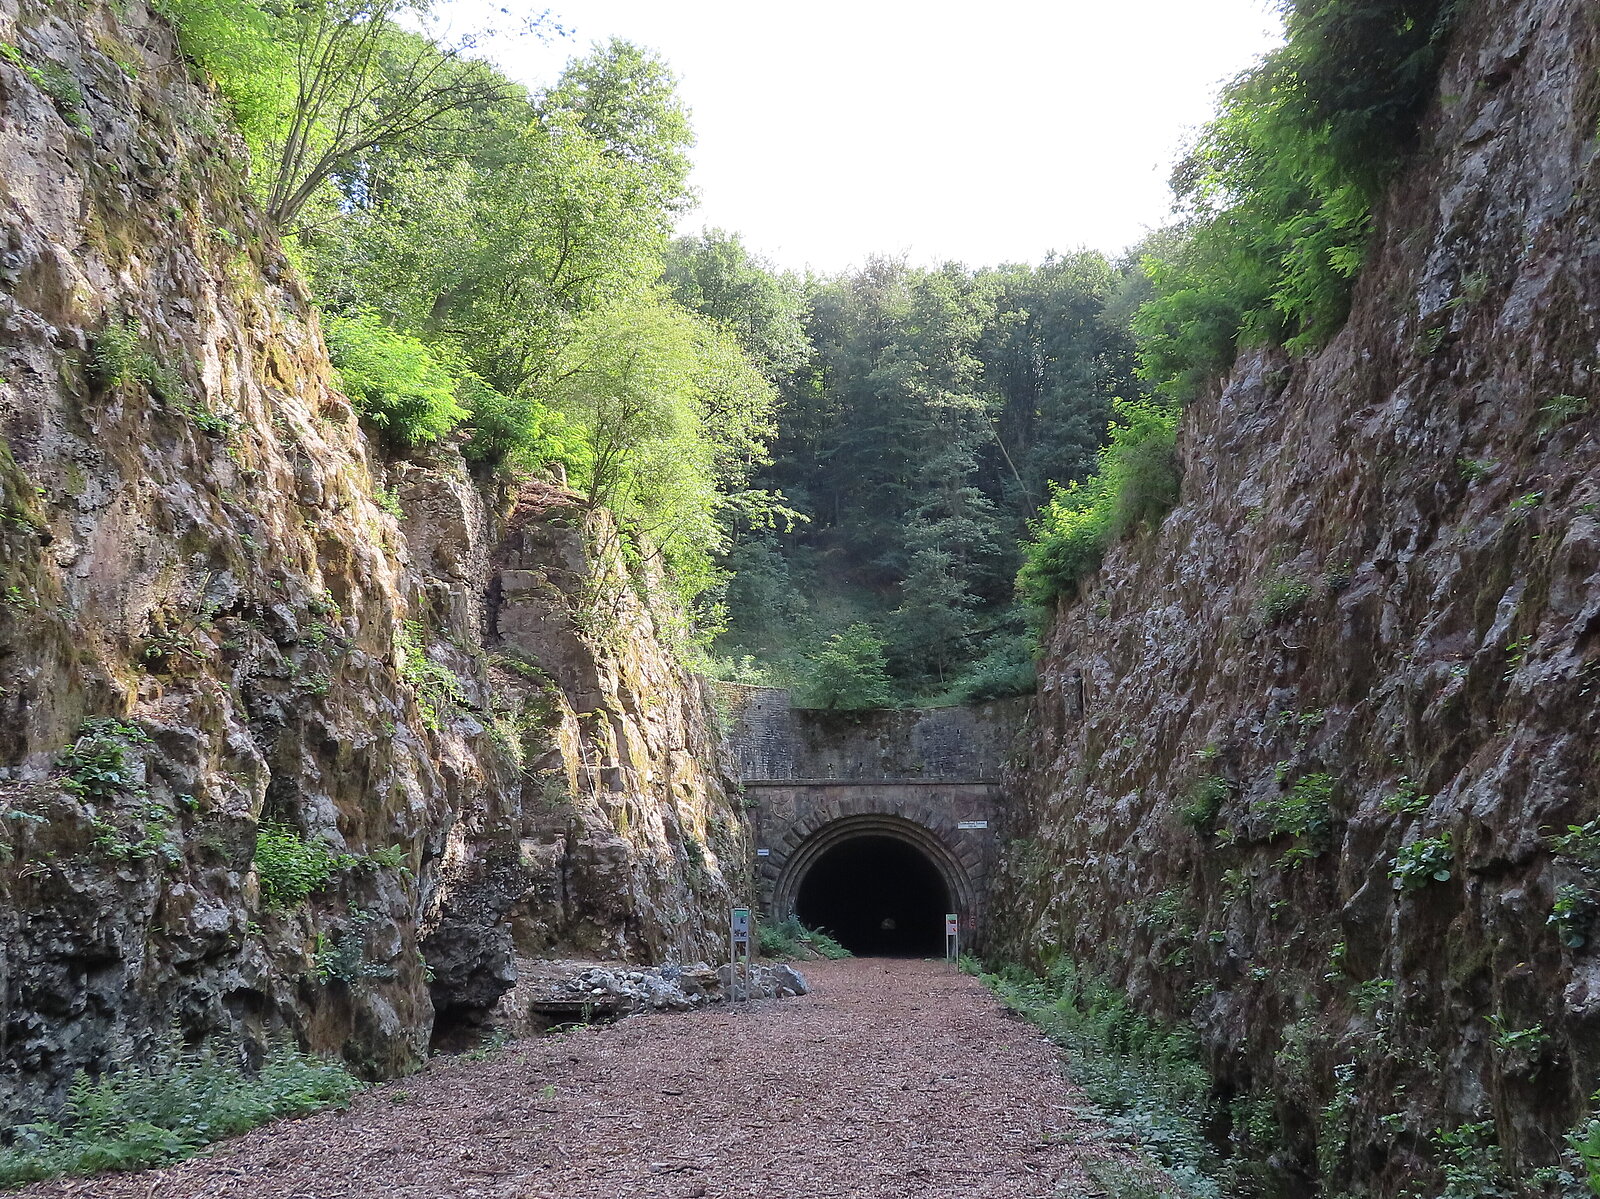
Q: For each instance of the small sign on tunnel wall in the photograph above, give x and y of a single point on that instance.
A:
(973, 824)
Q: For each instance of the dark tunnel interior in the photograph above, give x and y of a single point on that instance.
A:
(878, 896)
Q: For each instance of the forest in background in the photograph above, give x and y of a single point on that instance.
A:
(924, 415)
(870, 486)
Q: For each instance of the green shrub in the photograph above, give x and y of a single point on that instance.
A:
(1580, 845)
(1005, 670)
(1424, 861)
(783, 940)
(55, 81)
(1584, 1141)
(1469, 1163)
(1284, 595)
(114, 353)
(849, 673)
(1572, 915)
(1135, 483)
(151, 1115)
(96, 765)
(1304, 812)
(393, 380)
(436, 687)
(1203, 800)
(344, 958)
(1405, 799)
(118, 355)
(291, 868)
(516, 431)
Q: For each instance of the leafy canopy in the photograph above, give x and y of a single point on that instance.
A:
(850, 673)
(393, 380)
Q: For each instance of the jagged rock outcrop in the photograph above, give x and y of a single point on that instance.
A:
(1371, 625)
(196, 561)
(625, 835)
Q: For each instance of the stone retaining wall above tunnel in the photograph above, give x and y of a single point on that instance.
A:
(798, 821)
(775, 741)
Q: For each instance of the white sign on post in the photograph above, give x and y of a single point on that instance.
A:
(741, 924)
(952, 940)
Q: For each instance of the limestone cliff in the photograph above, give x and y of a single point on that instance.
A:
(213, 623)
(1363, 653)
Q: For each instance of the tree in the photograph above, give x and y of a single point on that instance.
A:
(713, 274)
(848, 673)
(626, 100)
(672, 418)
(498, 237)
(362, 82)
(317, 84)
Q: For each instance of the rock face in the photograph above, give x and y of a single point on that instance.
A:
(195, 561)
(1367, 643)
(624, 835)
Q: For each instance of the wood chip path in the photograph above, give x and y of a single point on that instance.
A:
(892, 1080)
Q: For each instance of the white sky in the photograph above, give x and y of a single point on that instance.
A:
(980, 132)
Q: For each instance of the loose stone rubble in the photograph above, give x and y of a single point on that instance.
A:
(553, 992)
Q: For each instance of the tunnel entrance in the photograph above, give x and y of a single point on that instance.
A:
(879, 896)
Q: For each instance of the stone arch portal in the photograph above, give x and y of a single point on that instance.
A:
(880, 884)
(878, 864)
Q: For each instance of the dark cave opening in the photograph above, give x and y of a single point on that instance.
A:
(879, 896)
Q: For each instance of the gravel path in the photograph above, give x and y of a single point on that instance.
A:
(892, 1079)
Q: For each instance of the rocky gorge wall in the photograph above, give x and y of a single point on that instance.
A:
(226, 617)
(1298, 756)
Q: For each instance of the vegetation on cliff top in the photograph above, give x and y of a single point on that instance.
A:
(1277, 197)
(488, 257)
(496, 267)
(1278, 192)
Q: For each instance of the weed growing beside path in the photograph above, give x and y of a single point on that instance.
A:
(152, 1115)
(784, 939)
(1146, 1078)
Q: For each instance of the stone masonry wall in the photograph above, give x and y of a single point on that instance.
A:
(773, 740)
